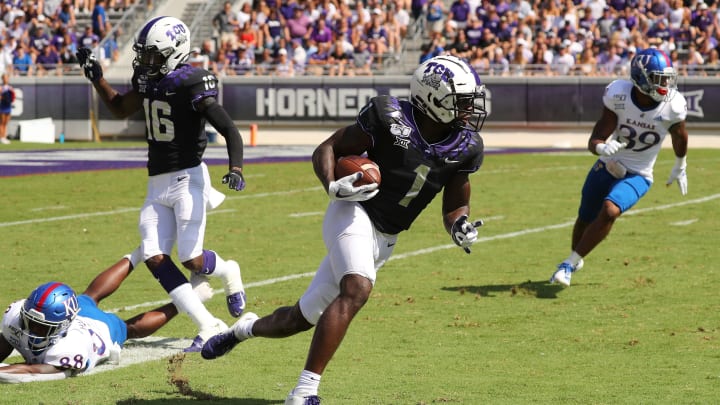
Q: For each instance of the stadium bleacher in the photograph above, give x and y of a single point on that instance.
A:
(498, 37)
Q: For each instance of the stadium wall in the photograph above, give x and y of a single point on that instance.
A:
(517, 102)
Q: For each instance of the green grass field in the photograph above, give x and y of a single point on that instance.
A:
(639, 325)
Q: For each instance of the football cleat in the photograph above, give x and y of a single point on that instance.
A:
(222, 343)
(564, 272)
(235, 291)
(293, 399)
(197, 343)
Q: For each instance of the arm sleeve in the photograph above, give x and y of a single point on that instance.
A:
(219, 118)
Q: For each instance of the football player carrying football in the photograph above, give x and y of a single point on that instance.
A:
(62, 335)
(423, 146)
(177, 100)
(639, 112)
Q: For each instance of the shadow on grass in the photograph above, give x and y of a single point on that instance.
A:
(538, 289)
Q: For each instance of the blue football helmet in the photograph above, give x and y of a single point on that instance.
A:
(652, 73)
(47, 314)
(449, 91)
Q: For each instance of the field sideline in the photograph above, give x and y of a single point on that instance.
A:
(639, 324)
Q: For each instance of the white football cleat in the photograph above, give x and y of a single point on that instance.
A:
(564, 272)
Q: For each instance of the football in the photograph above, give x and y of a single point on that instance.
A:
(348, 165)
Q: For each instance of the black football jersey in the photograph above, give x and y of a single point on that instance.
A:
(413, 172)
(175, 130)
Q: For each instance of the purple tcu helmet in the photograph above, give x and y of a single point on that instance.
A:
(651, 71)
(47, 314)
(160, 45)
(449, 91)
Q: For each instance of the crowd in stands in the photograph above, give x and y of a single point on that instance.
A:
(498, 37)
(342, 38)
(40, 38)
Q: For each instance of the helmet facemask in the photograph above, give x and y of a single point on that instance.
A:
(468, 108)
(151, 60)
(47, 314)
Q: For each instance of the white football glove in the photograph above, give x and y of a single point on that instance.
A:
(609, 148)
(465, 233)
(343, 189)
(678, 173)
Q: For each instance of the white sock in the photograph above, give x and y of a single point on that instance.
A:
(135, 257)
(308, 384)
(226, 271)
(188, 302)
(574, 258)
(243, 328)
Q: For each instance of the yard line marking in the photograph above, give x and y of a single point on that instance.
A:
(684, 223)
(54, 207)
(306, 214)
(247, 285)
(444, 247)
(68, 217)
(125, 210)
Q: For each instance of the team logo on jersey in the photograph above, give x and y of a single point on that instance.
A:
(402, 134)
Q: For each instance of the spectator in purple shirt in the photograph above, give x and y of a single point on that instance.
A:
(321, 33)
(660, 30)
(48, 62)
(459, 13)
(87, 38)
(39, 40)
(299, 25)
(474, 32)
(702, 18)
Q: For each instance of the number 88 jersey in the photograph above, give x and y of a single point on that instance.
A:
(86, 343)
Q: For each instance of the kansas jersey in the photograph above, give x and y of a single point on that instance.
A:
(175, 130)
(412, 171)
(643, 129)
(86, 344)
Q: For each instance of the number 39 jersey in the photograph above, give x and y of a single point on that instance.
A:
(413, 171)
(175, 130)
(86, 344)
(643, 129)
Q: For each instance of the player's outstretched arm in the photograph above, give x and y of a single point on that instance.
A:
(22, 373)
(120, 105)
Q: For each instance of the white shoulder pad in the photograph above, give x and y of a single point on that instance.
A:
(617, 92)
(678, 107)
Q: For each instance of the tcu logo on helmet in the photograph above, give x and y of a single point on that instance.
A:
(435, 73)
(177, 34)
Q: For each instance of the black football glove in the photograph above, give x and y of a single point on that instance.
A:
(465, 233)
(91, 67)
(234, 179)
